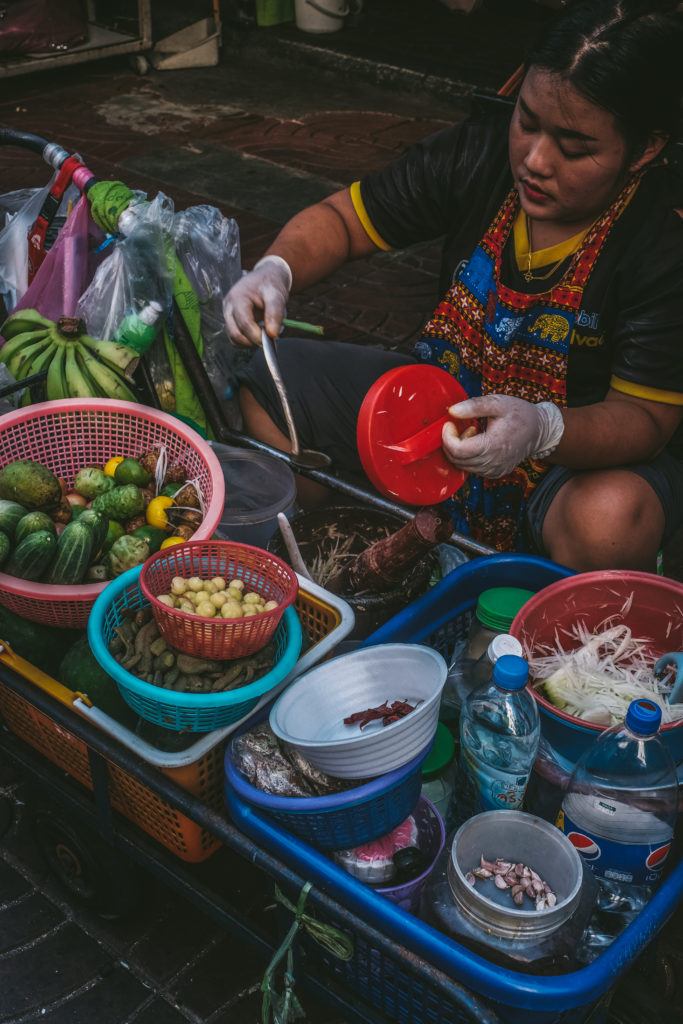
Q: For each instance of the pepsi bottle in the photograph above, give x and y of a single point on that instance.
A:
(619, 812)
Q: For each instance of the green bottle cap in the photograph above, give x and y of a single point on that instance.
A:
(497, 607)
(441, 754)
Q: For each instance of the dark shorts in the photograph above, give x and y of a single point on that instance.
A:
(664, 475)
(327, 382)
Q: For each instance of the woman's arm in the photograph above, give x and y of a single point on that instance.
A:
(310, 246)
(619, 430)
(321, 238)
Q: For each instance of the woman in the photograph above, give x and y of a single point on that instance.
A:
(564, 318)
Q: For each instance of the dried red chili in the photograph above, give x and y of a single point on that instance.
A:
(387, 712)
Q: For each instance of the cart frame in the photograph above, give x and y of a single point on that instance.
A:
(94, 810)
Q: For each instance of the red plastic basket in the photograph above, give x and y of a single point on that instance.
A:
(218, 638)
(651, 606)
(69, 434)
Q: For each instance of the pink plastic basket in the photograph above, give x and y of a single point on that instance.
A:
(69, 434)
(219, 638)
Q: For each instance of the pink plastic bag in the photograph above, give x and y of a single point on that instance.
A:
(68, 268)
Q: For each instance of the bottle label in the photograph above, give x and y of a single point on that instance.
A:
(634, 863)
(495, 789)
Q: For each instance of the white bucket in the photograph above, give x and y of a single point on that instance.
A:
(320, 15)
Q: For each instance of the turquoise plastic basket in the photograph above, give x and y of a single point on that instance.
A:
(192, 712)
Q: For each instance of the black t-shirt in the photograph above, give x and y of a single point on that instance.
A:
(629, 331)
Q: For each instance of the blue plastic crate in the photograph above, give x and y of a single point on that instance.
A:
(395, 986)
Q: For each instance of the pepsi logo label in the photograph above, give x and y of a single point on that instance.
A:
(586, 846)
(658, 856)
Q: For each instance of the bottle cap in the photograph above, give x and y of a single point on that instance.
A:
(127, 221)
(643, 717)
(510, 672)
(504, 644)
(150, 313)
(441, 754)
(497, 607)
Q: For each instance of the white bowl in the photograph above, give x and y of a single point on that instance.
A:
(310, 713)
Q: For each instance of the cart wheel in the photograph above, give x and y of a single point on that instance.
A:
(138, 63)
(95, 874)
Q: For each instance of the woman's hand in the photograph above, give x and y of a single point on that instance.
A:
(515, 430)
(263, 292)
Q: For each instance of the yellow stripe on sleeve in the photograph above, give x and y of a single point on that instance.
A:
(626, 387)
(362, 215)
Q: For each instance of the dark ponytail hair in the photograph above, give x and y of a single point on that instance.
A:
(625, 56)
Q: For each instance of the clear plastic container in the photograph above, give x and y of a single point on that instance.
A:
(257, 487)
(486, 919)
(496, 608)
(620, 812)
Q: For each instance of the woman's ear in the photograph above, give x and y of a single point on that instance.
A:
(654, 147)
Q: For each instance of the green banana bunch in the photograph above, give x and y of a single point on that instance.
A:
(77, 365)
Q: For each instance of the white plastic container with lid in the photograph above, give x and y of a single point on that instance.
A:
(465, 675)
(476, 673)
(495, 611)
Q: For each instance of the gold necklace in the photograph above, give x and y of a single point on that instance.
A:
(528, 276)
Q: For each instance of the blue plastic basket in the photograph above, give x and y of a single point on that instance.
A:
(194, 712)
(340, 820)
(393, 985)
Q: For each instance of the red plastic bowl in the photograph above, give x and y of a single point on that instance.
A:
(655, 613)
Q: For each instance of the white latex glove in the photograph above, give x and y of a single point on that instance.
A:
(262, 293)
(515, 430)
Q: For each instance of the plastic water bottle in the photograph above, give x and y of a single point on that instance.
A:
(466, 674)
(499, 736)
(619, 812)
(138, 330)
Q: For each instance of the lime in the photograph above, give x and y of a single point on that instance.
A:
(129, 471)
(113, 533)
(154, 536)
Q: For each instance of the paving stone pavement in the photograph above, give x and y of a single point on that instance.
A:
(257, 142)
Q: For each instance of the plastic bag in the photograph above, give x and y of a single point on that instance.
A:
(280, 769)
(68, 266)
(19, 218)
(139, 269)
(42, 26)
(208, 247)
(375, 863)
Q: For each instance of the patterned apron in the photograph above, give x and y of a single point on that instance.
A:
(499, 341)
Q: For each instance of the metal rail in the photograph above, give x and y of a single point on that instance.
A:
(122, 835)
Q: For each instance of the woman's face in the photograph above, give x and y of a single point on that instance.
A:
(567, 157)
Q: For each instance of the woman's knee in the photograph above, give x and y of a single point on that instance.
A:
(603, 519)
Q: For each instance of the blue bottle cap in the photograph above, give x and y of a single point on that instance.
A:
(510, 672)
(643, 717)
